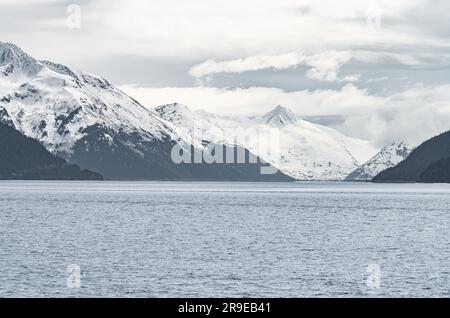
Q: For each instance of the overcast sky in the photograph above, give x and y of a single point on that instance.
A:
(378, 69)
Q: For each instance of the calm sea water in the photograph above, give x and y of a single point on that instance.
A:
(224, 240)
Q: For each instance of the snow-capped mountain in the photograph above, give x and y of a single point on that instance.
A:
(280, 117)
(309, 151)
(300, 149)
(196, 124)
(388, 157)
(86, 120)
(55, 105)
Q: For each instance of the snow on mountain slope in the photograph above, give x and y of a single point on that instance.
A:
(197, 125)
(53, 104)
(280, 117)
(312, 152)
(300, 149)
(388, 157)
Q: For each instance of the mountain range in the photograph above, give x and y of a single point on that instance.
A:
(300, 149)
(86, 120)
(87, 124)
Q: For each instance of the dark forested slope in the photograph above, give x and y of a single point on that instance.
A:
(415, 168)
(23, 158)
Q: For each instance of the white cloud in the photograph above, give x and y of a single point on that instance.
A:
(378, 79)
(351, 78)
(323, 66)
(204, 29)
(254, 100)
(252, 63)
(413, 115)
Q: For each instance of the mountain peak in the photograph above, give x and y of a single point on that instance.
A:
(10, 52)
(280, 116)
(171, 109)
(173, 112)
(13, 60)
(172, 106)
